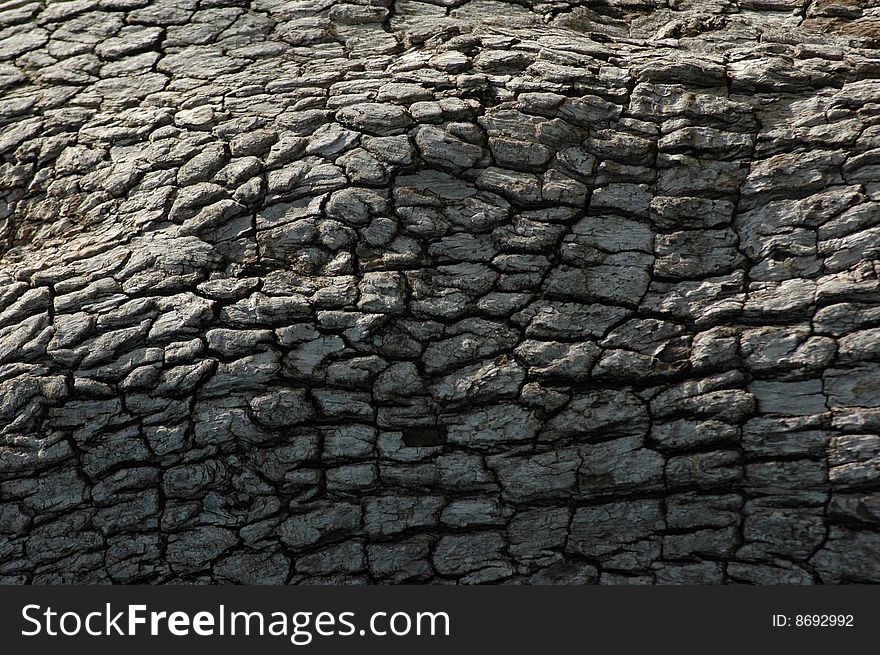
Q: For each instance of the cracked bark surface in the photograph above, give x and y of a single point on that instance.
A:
(447, 291)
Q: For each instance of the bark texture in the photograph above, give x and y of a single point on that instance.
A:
(440, 291)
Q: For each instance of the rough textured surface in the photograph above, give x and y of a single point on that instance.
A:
(465, 291)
